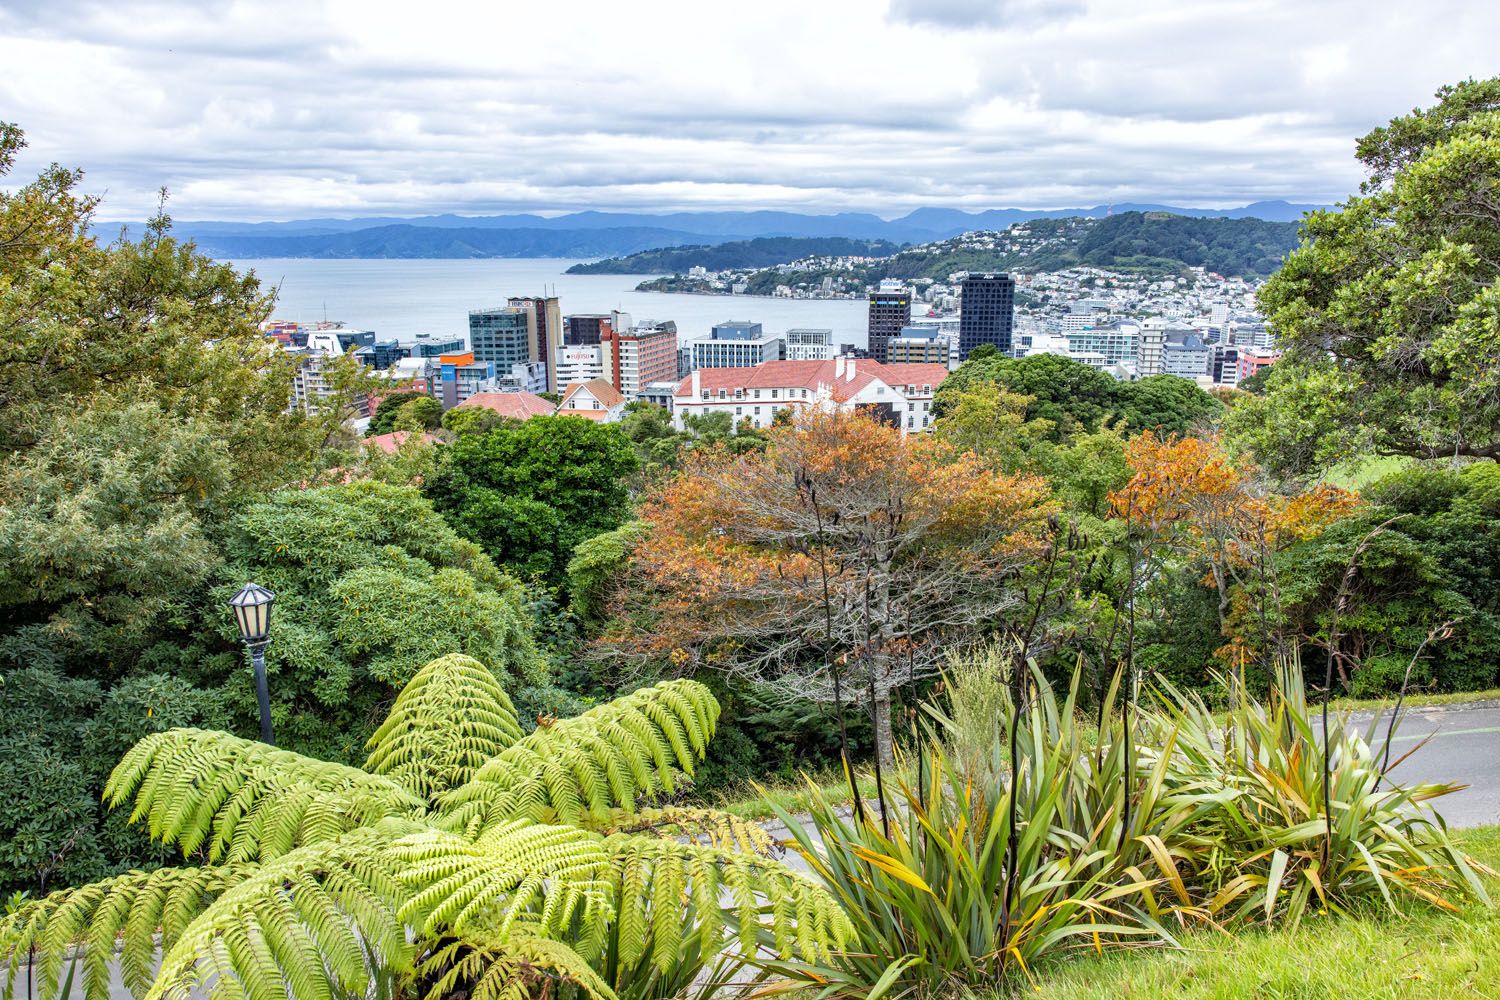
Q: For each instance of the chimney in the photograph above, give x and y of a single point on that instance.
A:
(849, 369)
(695, 383)
(838, 367)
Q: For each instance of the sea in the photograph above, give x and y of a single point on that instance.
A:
(402, 298)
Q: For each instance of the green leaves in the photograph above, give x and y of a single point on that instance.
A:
(241, 800)
(331, 881)
(448, 720)
(586, 766)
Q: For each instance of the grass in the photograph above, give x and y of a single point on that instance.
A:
(1419, 955)
(791, 794)
(1357, 474)
(1414, 700)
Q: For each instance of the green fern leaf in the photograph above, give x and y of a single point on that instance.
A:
(448, 720)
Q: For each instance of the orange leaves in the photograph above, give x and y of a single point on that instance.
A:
(1193, 481)
(894, 530)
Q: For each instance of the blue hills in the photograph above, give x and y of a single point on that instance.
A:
(607, 234)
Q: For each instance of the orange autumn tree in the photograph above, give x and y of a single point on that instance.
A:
(1187, 495)
(838, 562)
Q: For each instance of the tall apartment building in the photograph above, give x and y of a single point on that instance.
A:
(1224, 364)
(809, 345)
(890, 311)
(634, 358)
(547, 328)
(1153, 340)
(987, 314)
(736, 345)
(1186, 357)
(503, 336)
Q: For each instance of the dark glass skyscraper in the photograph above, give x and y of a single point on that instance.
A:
(890, 310)
(987, 314)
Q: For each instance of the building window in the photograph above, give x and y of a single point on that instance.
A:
(739, 411)
(721, 393)
(705, 393)
(757, 393)
(773, 393)
(757, 411)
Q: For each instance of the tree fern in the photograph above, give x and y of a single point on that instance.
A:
(522, 967)
(450, 718)
(588, 765)
(132, 908)
(706, 826)
(464, 858)
(243, 800)
(316, 923)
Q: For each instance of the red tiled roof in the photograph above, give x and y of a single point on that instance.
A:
(392, 442)
(519, 405)
(813, 375)
(607, 395)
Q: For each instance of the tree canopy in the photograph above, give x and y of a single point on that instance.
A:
(1388, 314)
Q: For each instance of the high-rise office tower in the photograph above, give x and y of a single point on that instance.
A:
(503, 336)
(890, 311)
(547, 331)
(987, 313)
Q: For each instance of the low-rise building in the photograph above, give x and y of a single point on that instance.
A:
(596, 400)
(460, 376)
(899, 393)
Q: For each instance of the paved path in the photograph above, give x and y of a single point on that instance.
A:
(1463, 746)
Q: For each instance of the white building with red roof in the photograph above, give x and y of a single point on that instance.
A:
(899, 393)
(595, 399)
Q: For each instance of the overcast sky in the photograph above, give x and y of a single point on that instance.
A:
(269, 109)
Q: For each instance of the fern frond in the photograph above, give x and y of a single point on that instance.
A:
(593, 763)
(664, 887)
(129, 909)
(699, 826)
(244, 800)
(317, 923)
(555, 880)
(524, 966)
(451, 717)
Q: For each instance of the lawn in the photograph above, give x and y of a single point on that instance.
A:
(1418, 956)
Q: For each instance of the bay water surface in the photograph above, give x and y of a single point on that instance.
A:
(402, 298)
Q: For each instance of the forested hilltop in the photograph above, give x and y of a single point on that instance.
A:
(765, 252)
(1155, 242)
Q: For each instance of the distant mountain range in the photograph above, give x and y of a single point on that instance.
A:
(610, 234)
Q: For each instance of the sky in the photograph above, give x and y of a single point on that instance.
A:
(268, 109)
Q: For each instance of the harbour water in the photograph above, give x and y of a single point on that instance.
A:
(402, 298)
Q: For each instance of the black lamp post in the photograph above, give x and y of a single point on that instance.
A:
(252, 610)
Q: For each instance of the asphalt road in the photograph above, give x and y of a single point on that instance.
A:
(1463, 745)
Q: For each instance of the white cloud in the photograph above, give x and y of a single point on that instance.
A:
(287, 108)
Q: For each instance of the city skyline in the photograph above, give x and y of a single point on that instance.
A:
(269, 110)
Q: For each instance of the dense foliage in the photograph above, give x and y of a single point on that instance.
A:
(1074, 397)
(1041, 831)
(1389, 312)
(531, 491)
(463, 853)
(767, 251)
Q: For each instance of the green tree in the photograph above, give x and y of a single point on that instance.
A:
(370, 583)
(1389, 312)
(421, 414)
(992, 423)
(1067, 393)
(530, 492)
(383, 420)
(1167, 405)
(461, 856)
